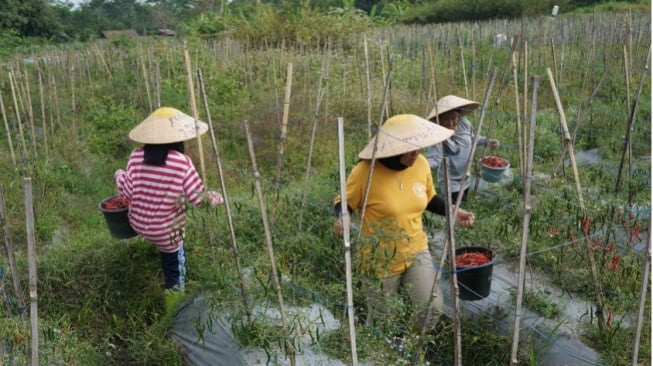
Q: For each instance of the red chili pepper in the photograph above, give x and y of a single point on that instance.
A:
(116, 203)
(634, 233)
(553, 231)
(571, 239)
(587, 225)
(608, 323)
(614, 263)
(597, 243)
(472, 259)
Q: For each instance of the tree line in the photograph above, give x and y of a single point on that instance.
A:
(47, 21)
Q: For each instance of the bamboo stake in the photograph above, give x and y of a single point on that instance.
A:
(347, 246)
(462, 66)
(553, 57)
(53, 87)
(519, 132)
(470, 159)
(42, 99)
(12, 260)
(193, 107)
(33, 278)
(146, 82)
(590, 256)
(268, 240)
(320, 93)
(373, 160)
(225, 196)
(4, 118)
(453, 279)
(284, 126)
(385, 107)
(433, 82)
(522, 151)
(28, 109)
(642, 300)
(631, 120)
(579, 118)
(20, 124)
(473, 71)
(368, 88)
(450, 251)
(629, 150)
(528, 168)
(504, 77)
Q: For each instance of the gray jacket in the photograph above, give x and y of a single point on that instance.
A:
(456, 149)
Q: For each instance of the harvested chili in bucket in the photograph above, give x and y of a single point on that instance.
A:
(494, 162)
(116, 203)
(472, 259)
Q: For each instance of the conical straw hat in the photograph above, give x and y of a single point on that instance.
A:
(403, 133)
(451, 102)
(167, 125)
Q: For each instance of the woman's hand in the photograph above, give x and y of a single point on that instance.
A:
(338, 229)
(465, 218)
(215, 198)
(493, 143)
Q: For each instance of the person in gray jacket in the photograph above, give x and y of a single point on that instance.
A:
(450, 112)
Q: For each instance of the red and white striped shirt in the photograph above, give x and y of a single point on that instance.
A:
(157, 192)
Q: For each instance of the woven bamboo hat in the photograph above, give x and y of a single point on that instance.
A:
(452, 102)
(403, 133)
(167, 125)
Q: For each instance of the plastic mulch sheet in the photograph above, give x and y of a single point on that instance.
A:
(204, 336)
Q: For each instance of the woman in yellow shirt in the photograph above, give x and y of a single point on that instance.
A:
(394, 246)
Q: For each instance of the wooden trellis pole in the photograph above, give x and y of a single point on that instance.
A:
(12, 82)
(368, 89)
(579, 119)
(33, 278)
(268, 240)
(225, 196)
(462, 66)
(646, 268)
(284, 126)
(449, 251)
(373, 160)
(528, 169)
(518, 122)
(10, 256)
(146, 81)
(8, 130)
(631, 120)
(504, 77)
(472, 151)
(346, 219)
(193, 107)
(320, 93)
(598, 291)
(522, 152)
(42, 102)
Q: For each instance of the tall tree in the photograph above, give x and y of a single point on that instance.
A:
(28, 18)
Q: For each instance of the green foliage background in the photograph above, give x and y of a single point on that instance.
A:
(100, 299)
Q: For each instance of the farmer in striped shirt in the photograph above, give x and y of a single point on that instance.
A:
(158, 180)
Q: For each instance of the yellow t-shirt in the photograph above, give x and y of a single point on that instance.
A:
(392, 226)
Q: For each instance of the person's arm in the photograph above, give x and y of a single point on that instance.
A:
(437, 205)
(434, 156)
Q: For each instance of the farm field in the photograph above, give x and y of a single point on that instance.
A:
(569, 99)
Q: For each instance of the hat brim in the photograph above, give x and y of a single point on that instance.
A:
(404, 133)
(452, 102)
(167, 125)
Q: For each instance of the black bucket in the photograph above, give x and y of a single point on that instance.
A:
(474, 283)
(117, 221)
